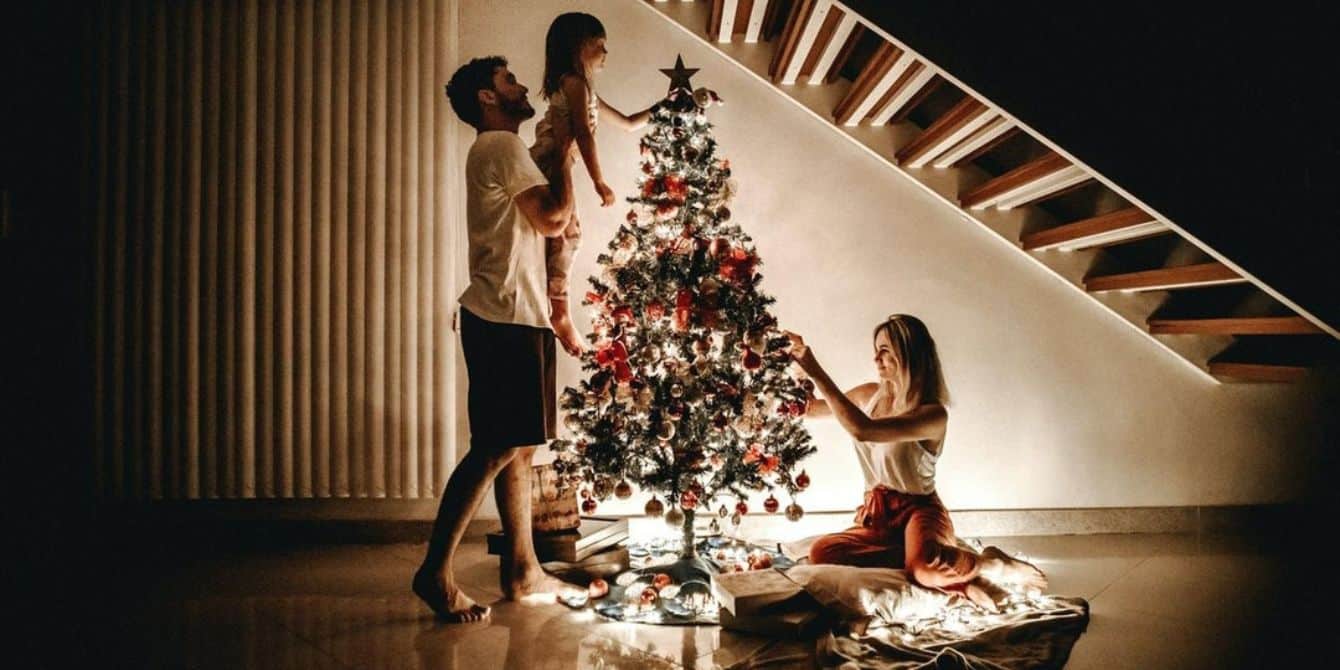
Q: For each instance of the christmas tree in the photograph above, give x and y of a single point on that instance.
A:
(689, 392)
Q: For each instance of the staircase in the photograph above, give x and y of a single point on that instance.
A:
(1194, 304)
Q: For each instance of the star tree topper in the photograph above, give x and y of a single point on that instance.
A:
(679, 75)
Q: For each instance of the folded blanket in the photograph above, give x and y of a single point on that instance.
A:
(900, 625)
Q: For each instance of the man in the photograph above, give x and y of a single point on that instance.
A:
(506, 337)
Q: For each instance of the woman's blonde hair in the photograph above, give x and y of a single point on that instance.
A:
(915, 349)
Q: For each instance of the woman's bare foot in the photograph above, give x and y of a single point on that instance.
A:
(448, 602)
(566, 333)
(984, 594)
(1001, 568)
(534, 585)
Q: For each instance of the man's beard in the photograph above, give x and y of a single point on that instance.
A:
(519, 109)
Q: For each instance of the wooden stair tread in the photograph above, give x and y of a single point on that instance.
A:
(1258, 325)
(1120, 226)
(1257, 371)
(968, 111)
(1008, 185)
(1186, 276)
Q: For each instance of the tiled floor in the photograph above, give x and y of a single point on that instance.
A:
(1157, 601)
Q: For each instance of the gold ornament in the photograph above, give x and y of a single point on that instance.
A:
(674, 517)
(623, 490)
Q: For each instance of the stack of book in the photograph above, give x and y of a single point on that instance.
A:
(750, 591)
(766, 602)
(593, 536)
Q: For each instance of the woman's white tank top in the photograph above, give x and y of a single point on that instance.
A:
(904, 466)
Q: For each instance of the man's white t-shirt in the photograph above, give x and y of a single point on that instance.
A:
(507, 261)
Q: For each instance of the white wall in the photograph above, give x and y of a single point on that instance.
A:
(1057, 403)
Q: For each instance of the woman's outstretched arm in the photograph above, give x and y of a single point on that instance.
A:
(924, 422)
(818, 408)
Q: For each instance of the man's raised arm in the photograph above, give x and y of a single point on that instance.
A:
(548, 207)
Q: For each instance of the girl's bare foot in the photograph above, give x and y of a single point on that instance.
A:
(448, 602)
(1002, 568)
(566, 333)
(534, 585)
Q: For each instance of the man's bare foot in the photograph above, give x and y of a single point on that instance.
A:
(1001, 568)
(534, 585)
(448, 602)
(566, 333)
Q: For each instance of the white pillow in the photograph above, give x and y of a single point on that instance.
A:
(859, 593)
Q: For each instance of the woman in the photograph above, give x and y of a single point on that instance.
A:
(898, 426)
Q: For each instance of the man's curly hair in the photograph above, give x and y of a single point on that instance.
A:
(465, 85)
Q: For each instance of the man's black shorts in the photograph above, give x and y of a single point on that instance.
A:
(512, 393)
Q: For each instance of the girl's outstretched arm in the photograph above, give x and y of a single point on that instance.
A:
(575, 89)
(625, 122)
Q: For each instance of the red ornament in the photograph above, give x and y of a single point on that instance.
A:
(737, 266)
(608, 355)
(751, 360)
(623, 314)
(594, 298)
(802, 480)
(741, 508)
(615, 355)
(589, 506)
(675, 187)
(597, 589)
(655, 309)
(719, 246)
(632, 216)
(661, 580)
(769, 463)
(753, 453)
(649, 595)
(649, 187)
(771, 504)
(654, 507)
(688, 500)
(683, 307)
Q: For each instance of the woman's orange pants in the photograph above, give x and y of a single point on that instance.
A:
(902, 530)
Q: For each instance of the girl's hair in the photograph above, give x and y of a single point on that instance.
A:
(915, 349)
(566, 36)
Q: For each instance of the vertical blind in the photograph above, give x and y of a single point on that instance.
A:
(274, 255)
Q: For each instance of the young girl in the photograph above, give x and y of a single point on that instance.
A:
(574, 51)
(898, 426)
